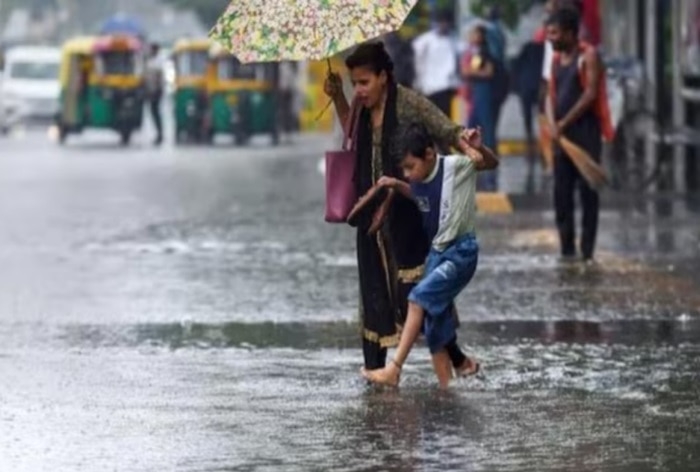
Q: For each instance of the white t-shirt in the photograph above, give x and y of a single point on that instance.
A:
(155, 77)
(435, 62)
(547, 63)
(447, 200)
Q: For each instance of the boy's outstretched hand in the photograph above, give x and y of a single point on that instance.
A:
(473, 137)
(474, 148)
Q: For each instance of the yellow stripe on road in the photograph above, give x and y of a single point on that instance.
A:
(512, 147)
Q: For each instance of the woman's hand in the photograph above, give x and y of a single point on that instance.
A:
(388, 182)
(333, 85)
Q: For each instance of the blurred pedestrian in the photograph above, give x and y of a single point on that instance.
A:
(579, 105)
(526, 71)
(390, 261)
(287, 90)
(155, 84)
(435, 54)
(545, 107)
(478, 69)
(550, 7)
(401, 52)
(497, 43)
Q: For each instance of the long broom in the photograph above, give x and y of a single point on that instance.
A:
(546, 143)
(589, 169)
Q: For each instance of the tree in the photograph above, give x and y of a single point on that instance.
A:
(208, 10)
(510, 9)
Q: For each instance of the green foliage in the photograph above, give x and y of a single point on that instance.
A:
(208, 10)
(510, 9)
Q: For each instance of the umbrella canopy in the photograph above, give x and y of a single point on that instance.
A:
(279, 30)
(122, 24)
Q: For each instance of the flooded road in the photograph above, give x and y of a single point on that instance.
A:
(188, 309)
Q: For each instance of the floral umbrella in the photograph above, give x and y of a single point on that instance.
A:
(279, 30)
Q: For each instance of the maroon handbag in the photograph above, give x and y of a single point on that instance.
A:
(341, 194)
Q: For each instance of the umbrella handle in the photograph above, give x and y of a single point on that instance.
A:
(330, 102)
(325, 109)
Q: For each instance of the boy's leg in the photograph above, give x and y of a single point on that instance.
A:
(442, 367)
(455, 353)
(391, 374)
(464, 366)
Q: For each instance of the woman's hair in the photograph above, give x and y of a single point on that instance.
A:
(481, 29)
(415, 140)
(373, 56)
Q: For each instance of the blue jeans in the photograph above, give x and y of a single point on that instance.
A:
(447, 273)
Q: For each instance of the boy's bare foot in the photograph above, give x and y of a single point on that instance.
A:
(468, 368)
(389, 375)
(443, 368)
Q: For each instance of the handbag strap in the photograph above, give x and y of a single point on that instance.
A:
(350, 128)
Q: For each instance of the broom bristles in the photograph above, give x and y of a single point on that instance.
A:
(590, 169)
(546, 142)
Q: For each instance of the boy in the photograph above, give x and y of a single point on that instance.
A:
(444, 188)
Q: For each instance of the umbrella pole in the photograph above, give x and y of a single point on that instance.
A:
(330, 102)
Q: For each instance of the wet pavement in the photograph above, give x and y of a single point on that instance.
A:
(188, 309)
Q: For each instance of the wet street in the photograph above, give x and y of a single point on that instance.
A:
(187, 309)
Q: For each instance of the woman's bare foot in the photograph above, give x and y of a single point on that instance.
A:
(468, 368)
(389, 375)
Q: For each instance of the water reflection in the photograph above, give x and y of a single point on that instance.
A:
(344, 335)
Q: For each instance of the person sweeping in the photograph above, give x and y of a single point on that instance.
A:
(579, 119)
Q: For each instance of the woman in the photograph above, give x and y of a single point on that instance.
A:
(390, 261)
(478, 69)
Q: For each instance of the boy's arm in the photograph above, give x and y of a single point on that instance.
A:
(489, 159)
(404, 188)
(484, 158)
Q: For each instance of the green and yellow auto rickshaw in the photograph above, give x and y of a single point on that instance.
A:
(242, 98)
(102, 86)
(191, 58)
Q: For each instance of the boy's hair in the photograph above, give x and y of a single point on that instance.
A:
(415, 140)
(567, 19)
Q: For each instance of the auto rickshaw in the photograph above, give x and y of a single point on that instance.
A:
(242, 98)
(191, 58)
(102, 86)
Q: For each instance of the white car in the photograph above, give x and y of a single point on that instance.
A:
(30, 87)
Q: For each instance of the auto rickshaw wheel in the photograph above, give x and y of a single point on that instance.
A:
(208, 136)
(241, 138)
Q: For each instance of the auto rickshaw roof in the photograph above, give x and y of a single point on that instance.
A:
(183, 45)
(90, 44)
